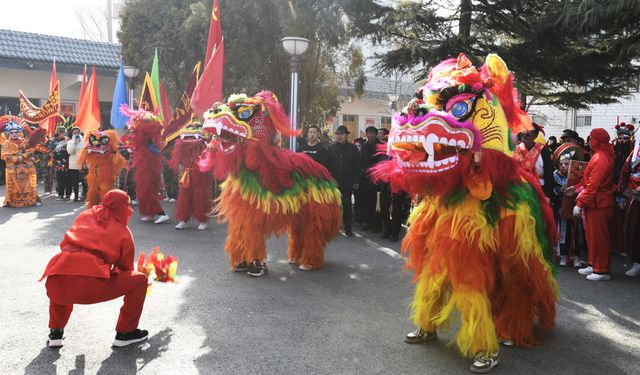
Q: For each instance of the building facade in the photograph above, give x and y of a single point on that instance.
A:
(26, 60)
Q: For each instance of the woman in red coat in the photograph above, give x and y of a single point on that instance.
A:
(96, 265)
(595, 202)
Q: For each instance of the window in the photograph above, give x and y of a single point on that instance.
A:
(348, 118)
(583, 121)
(9, 106)
(385, 122)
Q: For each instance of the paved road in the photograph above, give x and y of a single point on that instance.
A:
(349, 318)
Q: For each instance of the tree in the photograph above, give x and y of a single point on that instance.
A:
(255, 60)
(552, 46)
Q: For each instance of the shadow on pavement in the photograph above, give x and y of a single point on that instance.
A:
(126, 360)
(44, 363)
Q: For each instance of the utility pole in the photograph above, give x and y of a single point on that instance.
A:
(110, 20)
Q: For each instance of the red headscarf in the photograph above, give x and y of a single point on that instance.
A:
(599, 141)
(115, 204)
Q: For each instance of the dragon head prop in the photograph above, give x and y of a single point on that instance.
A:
(192, 133)
(259, 118)
(101, 142)
(460, 115)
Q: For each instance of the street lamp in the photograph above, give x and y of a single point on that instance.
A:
(574, 112)
(295, 46)
(131, 72)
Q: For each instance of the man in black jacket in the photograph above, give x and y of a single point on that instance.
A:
(344, 166)
(314, 149)
(368, 190)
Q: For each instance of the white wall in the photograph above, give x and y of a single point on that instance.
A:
(602, 116)
(364, 108)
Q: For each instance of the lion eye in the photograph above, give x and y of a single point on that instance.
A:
(460, 109)
(244, 114)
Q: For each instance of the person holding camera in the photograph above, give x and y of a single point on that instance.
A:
(74, 146)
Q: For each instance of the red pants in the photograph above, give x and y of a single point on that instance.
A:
(194, 198)
(65, 291)
(596, 230)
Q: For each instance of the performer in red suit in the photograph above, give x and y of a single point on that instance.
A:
(194, 187)
(595, 202)
(96, 265)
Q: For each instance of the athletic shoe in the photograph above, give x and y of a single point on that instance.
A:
(166, 199)
(150, 218)
(348, 232)
(134, 202)
(124, 339)
(585, 271)
(202, 226)
(484, 362)
(55, 338)
(172, 200)
(161, 219)
(38, 203)
(257, 268)
(599, 277)
(182, 225)
(563, 260)
(419, 335)
(507, 342)
(59, 198)
(634, 270)
(577, 263)
(305, 267)
(292, 261)
(241, 267)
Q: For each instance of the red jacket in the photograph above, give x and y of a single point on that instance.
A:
(90, 249)
(597, 182)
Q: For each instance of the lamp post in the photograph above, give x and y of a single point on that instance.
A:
(131, 72)
(295, 46)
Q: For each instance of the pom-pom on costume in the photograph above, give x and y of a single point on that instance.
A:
(104, 162)
(146, 142)
(20, 173)
(157, 266)
(480, 241)
(268, 190)
(194, 192)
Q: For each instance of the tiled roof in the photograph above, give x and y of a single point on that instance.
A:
(18, 46)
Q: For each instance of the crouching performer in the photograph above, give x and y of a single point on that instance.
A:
(96, 265)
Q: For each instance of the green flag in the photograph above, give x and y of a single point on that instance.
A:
(155, 79)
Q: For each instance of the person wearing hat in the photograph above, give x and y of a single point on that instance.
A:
(74, 146)
(534, 157)
(96, 265)
(60, 157)
(569, 136)
(595, 203)
(344, 166)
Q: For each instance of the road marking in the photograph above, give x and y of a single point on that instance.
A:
(387, 250)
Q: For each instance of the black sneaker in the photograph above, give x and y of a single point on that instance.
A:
(55, 338)
(257, 268)
(484, 362)
(241, 267)
(124, 339)
(348, 232)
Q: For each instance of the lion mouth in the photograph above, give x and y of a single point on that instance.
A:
(98, 149)
(227, 131)
(431, 148)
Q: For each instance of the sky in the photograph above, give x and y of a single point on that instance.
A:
(55, 17)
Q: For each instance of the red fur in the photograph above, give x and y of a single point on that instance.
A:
(195, 186)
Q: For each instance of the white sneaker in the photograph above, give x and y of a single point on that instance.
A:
(484, 362)
(166, 199)
(38, 203)
(563, 260)
(577, 263)
(149, 218)
(202, 226)
(182, 225)
(305, 267)
(134, 202)
(172, 200)
(599, 277)
(585, 271)
(634, 270)
(161, 219)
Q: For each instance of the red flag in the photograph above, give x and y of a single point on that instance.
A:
(51, 123)
(215, 32)
(183, 113)
(83, 87)
(165, 104)
(209, 88)
(89, 112)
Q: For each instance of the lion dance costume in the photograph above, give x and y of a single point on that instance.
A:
(146, 142)
(20, 174)
(194, 192)
(480, 241)
(268, 190)
(104, 162)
